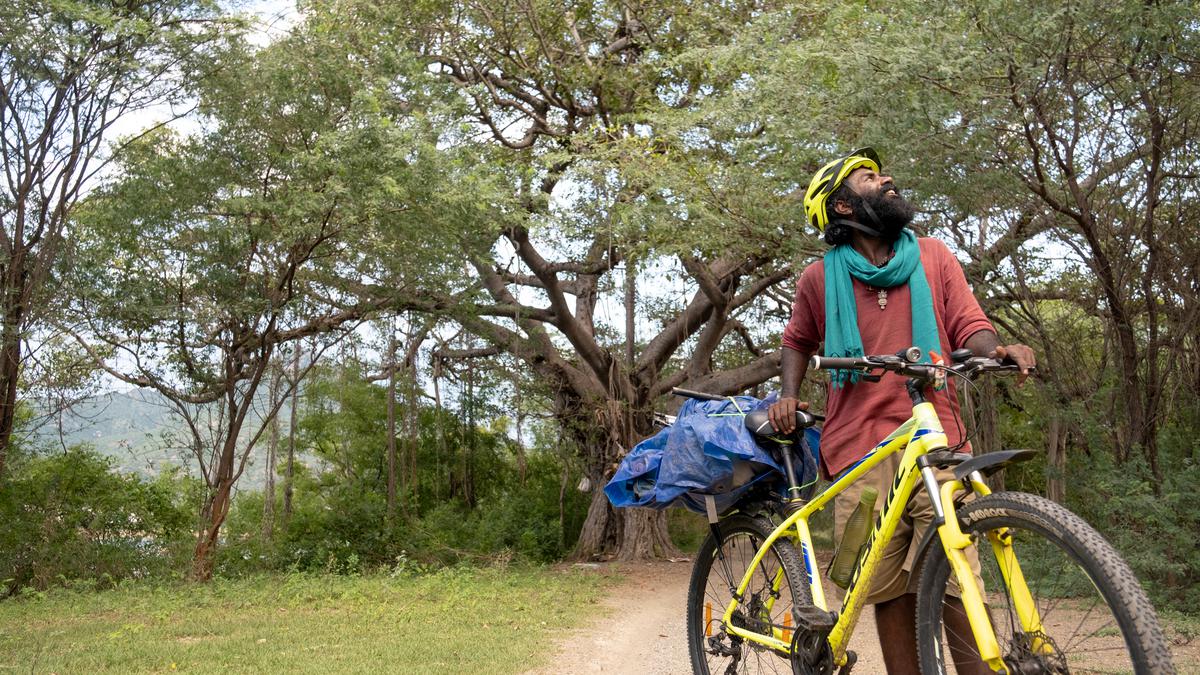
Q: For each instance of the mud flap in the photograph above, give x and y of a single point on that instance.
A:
(992, 462)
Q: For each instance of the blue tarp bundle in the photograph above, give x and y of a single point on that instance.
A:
(699, 455)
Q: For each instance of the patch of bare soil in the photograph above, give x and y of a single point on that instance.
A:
(639, 629)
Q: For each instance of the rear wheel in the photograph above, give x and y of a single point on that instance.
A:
(1094, 616)
(779, 584)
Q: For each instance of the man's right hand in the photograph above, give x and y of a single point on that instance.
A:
(782, 414)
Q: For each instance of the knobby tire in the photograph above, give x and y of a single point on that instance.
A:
(1095, 613)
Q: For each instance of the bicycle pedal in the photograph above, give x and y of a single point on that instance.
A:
(851, 659)
(812, 618)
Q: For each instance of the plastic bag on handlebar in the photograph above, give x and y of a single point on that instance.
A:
(707, 451)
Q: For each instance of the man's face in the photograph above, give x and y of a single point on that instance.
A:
(879, 192)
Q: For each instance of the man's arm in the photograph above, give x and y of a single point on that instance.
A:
(965, 317)
(987, 343)
(782, 413)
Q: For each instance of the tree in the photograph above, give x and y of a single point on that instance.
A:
(1045, 141)
(70, 73)
(1103, 155)
(601, 159)
(213, 251)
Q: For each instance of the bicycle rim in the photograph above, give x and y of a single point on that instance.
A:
(777, 587)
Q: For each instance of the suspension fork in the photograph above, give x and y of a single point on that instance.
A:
(955, 544)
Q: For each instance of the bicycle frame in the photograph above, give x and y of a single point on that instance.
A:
(919, 435)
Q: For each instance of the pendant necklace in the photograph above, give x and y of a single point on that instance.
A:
(882, 292)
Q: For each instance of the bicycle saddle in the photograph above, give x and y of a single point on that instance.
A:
(759, 425)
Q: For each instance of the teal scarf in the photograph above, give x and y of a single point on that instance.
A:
(841, 313)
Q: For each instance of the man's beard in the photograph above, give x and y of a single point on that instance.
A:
(894, 213)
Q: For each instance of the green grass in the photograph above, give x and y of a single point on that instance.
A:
(454, 621)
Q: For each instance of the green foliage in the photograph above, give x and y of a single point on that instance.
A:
(465, 503)
(687, 529)
(1153, 525)
(343, 529)
(1156, 532)
(519, 519)
(69, 518)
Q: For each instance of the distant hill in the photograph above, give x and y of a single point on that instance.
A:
(134, 428)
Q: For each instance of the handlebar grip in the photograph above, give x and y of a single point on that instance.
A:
(834, 362)
(1000, 366)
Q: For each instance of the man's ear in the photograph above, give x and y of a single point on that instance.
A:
(843, 207)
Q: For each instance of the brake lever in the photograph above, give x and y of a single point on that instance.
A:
(972, 367)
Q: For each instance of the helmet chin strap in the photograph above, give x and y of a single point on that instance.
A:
(859, 226)
(870, 214)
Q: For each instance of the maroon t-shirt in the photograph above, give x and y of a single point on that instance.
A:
(860, 415)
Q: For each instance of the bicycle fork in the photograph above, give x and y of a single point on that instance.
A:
(956, 543)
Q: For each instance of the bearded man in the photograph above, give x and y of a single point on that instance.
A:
(879, 290)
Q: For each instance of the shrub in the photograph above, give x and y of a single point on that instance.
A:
(70, 517)
(1155, 533)
(342, 528)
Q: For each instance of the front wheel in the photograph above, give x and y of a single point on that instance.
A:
(1094, 617)
(779, 584)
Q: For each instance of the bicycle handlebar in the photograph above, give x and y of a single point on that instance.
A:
(906, 363)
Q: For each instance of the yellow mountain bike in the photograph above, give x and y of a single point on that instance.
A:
(1055, 596)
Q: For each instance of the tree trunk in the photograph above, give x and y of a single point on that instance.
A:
(469, 451)
(645, 536)
(609, 533)
(10, 356)
(290, 469)
(562, 503)
(214, 514)
(10, 360)
(601, 531)
(391, 428)
(1056, 463)
(623, 534)
(268, 524)
(217, 506)
(412, 426)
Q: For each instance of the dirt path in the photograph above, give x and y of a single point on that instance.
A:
(651, 638)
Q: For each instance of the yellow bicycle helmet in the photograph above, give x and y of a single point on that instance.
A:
(829, 178)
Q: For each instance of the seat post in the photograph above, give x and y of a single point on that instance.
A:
(789, 470)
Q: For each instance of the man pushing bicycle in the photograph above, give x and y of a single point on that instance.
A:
(880, 290)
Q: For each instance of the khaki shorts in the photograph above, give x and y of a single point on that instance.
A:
(893, 575)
